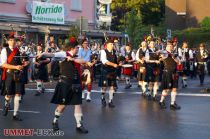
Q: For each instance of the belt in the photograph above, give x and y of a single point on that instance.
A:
(201, 63)
(11, 71)
(64, 77)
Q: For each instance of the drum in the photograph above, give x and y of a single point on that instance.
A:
(135, 66)
(179, 68)
(127, 69)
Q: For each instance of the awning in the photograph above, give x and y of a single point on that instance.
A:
(52, 29)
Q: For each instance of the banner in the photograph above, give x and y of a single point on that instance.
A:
(105, 1)
(44, 12)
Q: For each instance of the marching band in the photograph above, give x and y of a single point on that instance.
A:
(158, 67)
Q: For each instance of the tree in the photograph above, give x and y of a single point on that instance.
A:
(134, 26)
(150, 11)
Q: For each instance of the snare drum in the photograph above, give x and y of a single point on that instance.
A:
(127, 69)
(179, 68)
(135, 66)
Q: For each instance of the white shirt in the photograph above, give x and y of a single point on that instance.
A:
(3, 56)
(147, 54)
(103, 57)
(137, 54)
(132, 55)
(180, 53)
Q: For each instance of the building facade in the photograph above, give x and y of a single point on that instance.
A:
(18, 15)
(181, 14)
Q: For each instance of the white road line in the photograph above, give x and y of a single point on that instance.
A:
(184, 94)
(119, 92)
(52, 90)
(35, 112)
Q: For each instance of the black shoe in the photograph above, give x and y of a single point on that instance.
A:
(17, 118)
(162, 105)
(43, 90)
(111, 105)
(103, 102)
(5, 110)
(175, 107)
(184, 86)
(55, 126)
(128, 86)
(38, 93)
(82, 130)
(149, 97)
(155, 98)
(144, 95)
(88, 100)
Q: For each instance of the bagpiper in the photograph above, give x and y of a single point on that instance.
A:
(41, 74)
(108, 73)
(170, 77)
(201, 59)
(11, 76)
(68, 90)
(153, 70)
(140, 58)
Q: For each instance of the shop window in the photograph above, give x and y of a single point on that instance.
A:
(8, 1)
(76, 5)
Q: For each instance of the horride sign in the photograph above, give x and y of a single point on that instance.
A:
(43, 12)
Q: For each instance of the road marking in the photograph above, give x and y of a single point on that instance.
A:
(120, 92)
(183, 94)
(52, 90)
(35, 112)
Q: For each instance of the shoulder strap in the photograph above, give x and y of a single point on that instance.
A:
(9, 59)
(11, 56)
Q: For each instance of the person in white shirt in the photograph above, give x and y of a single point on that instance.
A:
(185, 54)
(140, 58)
(129, 59)
(108, 73)
(68, 90)
(153, 70)
(12, 67)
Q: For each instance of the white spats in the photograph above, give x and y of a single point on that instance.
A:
(78, 118)
(57, 116)
(16, 104)
(173, 97)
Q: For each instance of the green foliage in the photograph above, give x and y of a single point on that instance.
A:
(205, 23)
(74, 31)
(151, 12)
(194, 36)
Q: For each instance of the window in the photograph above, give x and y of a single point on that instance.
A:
(8, 1)
(76, 5)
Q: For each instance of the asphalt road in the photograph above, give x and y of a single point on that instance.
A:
(133, 117)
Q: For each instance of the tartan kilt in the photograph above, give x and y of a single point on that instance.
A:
(168, 81)
(107, 78)
(64, 94)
